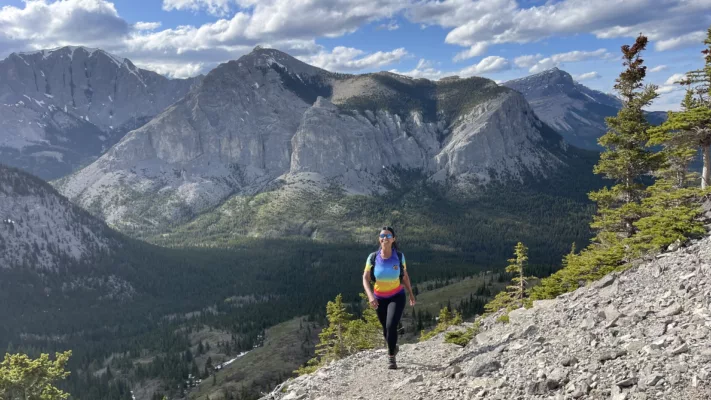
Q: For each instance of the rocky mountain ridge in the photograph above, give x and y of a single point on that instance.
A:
(268, 119)
(572, 109)
(64, 107)
(644, 333)
(40, 229)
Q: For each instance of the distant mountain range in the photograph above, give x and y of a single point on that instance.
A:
(62, 108)
(572, 109)
(269, 120)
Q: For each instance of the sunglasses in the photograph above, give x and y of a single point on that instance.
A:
(386, 235)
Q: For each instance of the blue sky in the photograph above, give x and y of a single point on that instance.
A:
(498, 39)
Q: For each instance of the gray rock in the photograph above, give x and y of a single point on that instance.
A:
(451, 371)
(627, 382)
(484, 368)
(568, 361)
(611, 355)
(681, 349)
(674, 309)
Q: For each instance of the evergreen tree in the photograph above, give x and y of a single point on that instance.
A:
(515, 295)
(365, 332)
(626, 158)
(689, 129)
(332, 345)
(446, 319)
(24, 378)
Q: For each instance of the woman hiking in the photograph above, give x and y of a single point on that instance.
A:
(387, 267)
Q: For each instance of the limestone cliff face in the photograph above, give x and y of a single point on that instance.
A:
(64, 107)
(268, 117)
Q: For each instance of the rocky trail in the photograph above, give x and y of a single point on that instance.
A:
(640, 334)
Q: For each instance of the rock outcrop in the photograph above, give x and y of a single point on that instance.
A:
(268, 118)
(63, 108)
(641, 334)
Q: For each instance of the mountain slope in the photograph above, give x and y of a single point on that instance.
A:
(62, 108)
(268, 119)
(572, 109)
(641, 334)
(42, 230)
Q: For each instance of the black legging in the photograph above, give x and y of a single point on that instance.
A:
(389, 313)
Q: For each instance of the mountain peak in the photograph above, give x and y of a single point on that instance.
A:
(70, 50)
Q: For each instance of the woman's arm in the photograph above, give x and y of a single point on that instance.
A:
(408, 286)
(368, 291)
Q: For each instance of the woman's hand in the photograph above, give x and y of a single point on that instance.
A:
(412, 301)
(373, 302)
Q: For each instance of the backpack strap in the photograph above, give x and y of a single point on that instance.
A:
(402, 270)
(372, 265)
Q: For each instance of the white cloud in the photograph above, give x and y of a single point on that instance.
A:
(474, 51)
(487, 65)
(424, 69)
(690, 39)
(146, 26)
(42, 24)
(672, 80)
(308, 19)
(674, 23)
(658, 68)
(556, 60)
(174, 70)
(288, 25)
(390, 26)
(214, 7)
(587, 76)
(668, 101)
(527, 61)
(345, 59)
(671, 85)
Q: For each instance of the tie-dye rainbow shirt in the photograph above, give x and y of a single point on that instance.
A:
(387, 275)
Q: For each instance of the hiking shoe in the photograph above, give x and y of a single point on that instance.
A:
(391, 362)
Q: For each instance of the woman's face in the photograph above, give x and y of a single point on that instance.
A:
(386, 238)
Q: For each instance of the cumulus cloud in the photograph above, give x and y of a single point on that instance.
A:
(424, 69)
(587, 76)
(487, 65)
(690, 39)
(290, 26)
(43, 24)
(673, 23)
(174, 70)
(671, 85)
(390, 26)
(146, 26)
(345, 59)
(214, 7)
(658, 68)
(527, 61)
(474, 51)
(674, 79)
(538, 63)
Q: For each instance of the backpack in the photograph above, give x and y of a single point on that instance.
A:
(372, 263)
